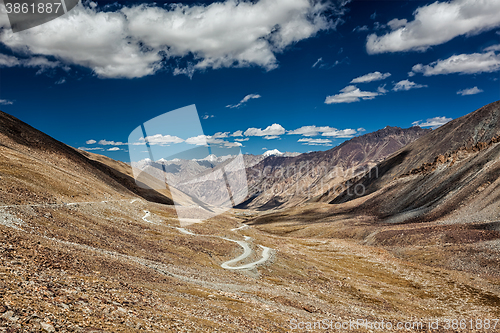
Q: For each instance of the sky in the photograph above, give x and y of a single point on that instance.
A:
(292, 75)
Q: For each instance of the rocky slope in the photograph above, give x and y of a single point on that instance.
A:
(34, 165)
(452, 172)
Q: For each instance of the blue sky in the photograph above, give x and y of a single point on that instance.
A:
(258, 72)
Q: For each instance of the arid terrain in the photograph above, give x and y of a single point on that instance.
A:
(83, 248)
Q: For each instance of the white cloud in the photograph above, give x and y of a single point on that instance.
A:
(241, 140)
(345, 133)
(437, 23)
(111, 143)
(199, 140)
(158, 139)
(202, 140)
(379, 26)
(273, 130)
(61, 80)
(132, 41)
(396, 23)
(221, 135)
(5, 102)
(271, 137)
(114, 149)
(205, 117)
(237, 133)
(493, 48)
(375, 76)
(361, 129)
(228, 144)
(360, 29)
(90, 142)
(407, 85)
(432, 122)
(463, 64)
(351, 94)
(315, 142)
(317, 62)
(470, 91)
(381, 89)
(311, 130)
(244, 100)
(89, 149)
(41, 63)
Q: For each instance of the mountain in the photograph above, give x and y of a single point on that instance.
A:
(34, 165)
(280, 181)
(453, 172)
(81, 250)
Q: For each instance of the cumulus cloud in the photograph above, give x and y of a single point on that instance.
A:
(462, 63)
(375, 76)
(315, 142)
(90, 142)
(5, 102)
(114, 149)
(437, 23)
(432, 122)
(345, 133)
(241, 140)
(311, 130)
(273, 130)
(271, 137)
(405, 85)
(132, 42)
(244, 100)
(469, 91)
(351, 94)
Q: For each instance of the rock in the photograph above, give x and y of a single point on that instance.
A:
(47, 327)
(9, 315)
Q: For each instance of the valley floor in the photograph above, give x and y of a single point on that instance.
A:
(127, 266)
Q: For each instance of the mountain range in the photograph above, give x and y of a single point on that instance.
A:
(398, 224)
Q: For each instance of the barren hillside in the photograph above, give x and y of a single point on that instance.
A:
(288, 181)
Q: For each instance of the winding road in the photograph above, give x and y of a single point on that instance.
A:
(247, 251)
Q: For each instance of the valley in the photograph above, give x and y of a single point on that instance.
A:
(84, 248)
